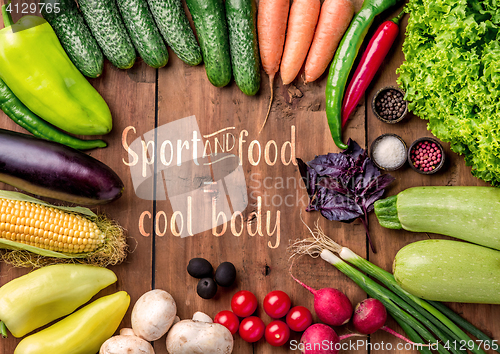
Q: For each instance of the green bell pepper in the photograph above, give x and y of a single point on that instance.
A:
(39, 297)
(34, 65)
(82, 332)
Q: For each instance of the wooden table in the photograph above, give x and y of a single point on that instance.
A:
(143, 98)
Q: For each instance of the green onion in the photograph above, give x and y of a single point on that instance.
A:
(462, 322)
(380, 293)
(413, 336)
(420, 305)
(426, 309)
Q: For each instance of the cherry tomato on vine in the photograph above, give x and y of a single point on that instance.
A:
(243, 303)
(228, 320)
(277, 304)
(252, 329)
(299, 318)
(277, 333)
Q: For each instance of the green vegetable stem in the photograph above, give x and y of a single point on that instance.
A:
(344, 60)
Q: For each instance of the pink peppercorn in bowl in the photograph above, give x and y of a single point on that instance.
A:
(426, 156)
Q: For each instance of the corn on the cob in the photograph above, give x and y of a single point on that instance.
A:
(48, 228)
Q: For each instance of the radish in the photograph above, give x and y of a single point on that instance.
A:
(321, 339)
(332, 306)
(370, 316)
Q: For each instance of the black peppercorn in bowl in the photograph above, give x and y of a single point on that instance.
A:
(389, 105)
(426, 156)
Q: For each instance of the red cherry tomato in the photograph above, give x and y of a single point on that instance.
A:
(228, 320)
(277, 333)
(277, 304)
(299, 318)
(243, 303)
(252, 329)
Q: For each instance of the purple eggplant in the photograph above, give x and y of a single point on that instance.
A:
(55, 171)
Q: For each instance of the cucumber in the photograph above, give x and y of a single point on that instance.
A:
(74, 35)
(107, 26)
(241, 21)
(210, 22)
(468, 213)
(174, 26)
(450, 271)
(143, 32)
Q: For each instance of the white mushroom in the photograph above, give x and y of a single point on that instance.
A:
(126, 344)
(127, 332)
(153, 314)
(197, 337)
(202, 317)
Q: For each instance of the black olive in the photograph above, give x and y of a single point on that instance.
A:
(199, 268)
(225, 275)
(206, 288)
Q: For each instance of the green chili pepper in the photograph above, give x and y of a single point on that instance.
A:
(82, 332)
(34, 65)
(20, 114)
(344, 60)
(46, 294)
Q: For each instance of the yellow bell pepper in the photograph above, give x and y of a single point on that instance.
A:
(82, 332)
(48, 293)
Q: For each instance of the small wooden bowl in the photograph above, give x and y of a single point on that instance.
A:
(374, 144)
(380, 93)
(431, 140)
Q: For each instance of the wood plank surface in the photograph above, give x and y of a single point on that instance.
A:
(148, 105)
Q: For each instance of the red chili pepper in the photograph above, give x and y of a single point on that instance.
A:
(370, 62)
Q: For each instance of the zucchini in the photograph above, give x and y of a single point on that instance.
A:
(241, 21)
(74, 35)
(468, 213)
(55, 171)
(450, 271)
(107, 26)
(143, 32)
(174, 26)
(210, 22)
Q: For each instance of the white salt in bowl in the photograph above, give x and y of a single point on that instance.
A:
(388, 152)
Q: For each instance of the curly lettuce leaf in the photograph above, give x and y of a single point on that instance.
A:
(451, 75)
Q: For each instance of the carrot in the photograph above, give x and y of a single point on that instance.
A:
(333, 21)
(301, 25)
(272, 16)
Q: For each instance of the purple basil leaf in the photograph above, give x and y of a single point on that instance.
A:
(334, 184)
(353, 150)
(309, 176)
(343, 186)
(331, 165)
(375, 190)
(339, 207)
